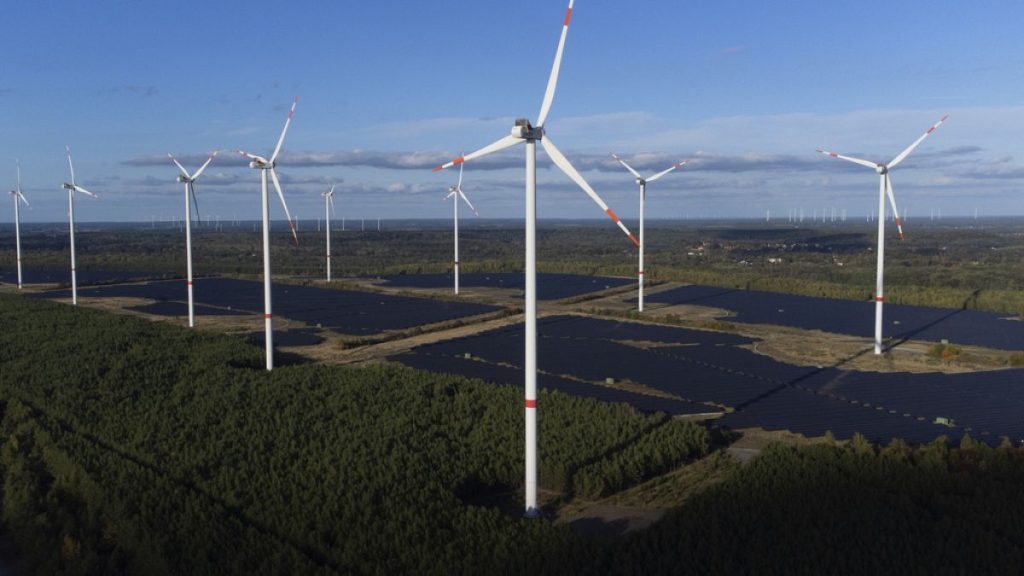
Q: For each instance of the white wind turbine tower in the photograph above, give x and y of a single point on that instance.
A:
(328, 208)
(884, 189)
(267, 166)
(643, 195)
(18, 199)
(524, 132)
(456, 191)
(72, 188)
(190, 198)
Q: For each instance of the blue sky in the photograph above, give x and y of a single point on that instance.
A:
(747, 90)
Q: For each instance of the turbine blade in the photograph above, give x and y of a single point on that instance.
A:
(67, 149)
(195, 201)
(23, 199)
(83, 191)
(549, 93)
(450, 194)
(892, 202)
(501, 144)
(463, 196)
(867, 163)
(627, 166)
(910, 148)
(178, 164)
(280, 141)
(663, 172)
(280, 194)
(559, 159)
(330, 200)
(459, 185)
(207, 163)
(18, 163)
(252, 156)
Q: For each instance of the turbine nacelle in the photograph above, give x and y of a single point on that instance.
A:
(261, 165)
(69, 186)
(526, 131)
(882, 169)
(182, 178)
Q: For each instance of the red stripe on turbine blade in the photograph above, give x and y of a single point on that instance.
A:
(438, 168)
(635, 241)
(930, 130)
(458, 160)
(531, 403)
(612, 215)
(568, 16)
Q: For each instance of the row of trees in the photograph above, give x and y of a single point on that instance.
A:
(980, 268)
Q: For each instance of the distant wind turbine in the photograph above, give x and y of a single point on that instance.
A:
(72, 188)
(190, 199)
(18, 199)
(328, 208)
(267, 167)
(456, 192)
(884, 189)
(642, 182)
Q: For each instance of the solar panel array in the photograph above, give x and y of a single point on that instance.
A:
(346, 312)
(966, 327)
(549, 286)
(701, 368)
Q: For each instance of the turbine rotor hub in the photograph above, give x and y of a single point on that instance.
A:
(882, 169)
(523, 129)
(68, 186)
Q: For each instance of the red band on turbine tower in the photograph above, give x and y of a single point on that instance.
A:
(189, 282)
(531, 403)
(879, 299)
(268, 316)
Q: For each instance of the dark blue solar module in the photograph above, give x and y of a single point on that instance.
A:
(810, 414)
(346, 312)
(514, 377)
(549, 286)
(989, 404)
(702, 367)
(181, 309)
(85, 276)
(970, 327)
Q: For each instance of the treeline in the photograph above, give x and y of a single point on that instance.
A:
(138, 447)
(856, 509)
(935, 266)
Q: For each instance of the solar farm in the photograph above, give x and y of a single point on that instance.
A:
(688, 372)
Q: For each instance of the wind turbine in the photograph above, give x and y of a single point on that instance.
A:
(190, 191)
(530, 134)
(72, 188)
(643, 194)
(18, 199)
(456, 191)
(267, 166)
(884, 189)
(328, 207)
